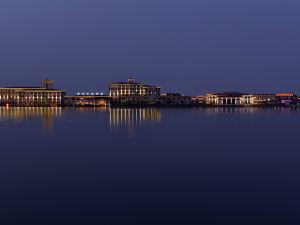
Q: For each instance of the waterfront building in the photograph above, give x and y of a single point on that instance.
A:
(133, 93)
(229, 99)
(175, 99)
(32, 96)
(87, 99)
(132, 88)
(198, 100)
(286, 98)
(264, 99)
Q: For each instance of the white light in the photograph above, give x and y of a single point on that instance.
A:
(101, 93)
(78, 93)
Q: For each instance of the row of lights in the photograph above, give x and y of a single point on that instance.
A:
(88, 93)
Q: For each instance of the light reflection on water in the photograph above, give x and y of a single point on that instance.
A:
(46, 114)
(231, 110)
(123, 117)
(244, 111)
(218, 161)
(118, 117)
(132, 118)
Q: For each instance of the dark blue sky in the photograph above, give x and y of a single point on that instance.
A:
(192, 46)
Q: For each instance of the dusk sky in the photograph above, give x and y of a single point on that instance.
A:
(188, 46)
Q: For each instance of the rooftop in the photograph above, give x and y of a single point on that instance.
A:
(24, 88)
(231, 94)
(126, 83)
(30, 89)
(132, 82)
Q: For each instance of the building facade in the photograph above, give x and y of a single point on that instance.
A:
(133, 93)
(199, 100)
(31, 96)
(175, 99)
(131, 88)
(86, 100)
(264, 99)
(229, 99)
(286, 98)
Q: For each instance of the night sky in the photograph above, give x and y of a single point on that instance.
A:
(191, 46)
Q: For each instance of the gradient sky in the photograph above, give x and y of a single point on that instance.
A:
(191, 46)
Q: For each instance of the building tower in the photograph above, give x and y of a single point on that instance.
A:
(48, 84)
(130, 80)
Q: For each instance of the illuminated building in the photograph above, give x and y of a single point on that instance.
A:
(286, 98)
(264, 99)
(87, 99)
(32, 96)
(229, 99)
(132, 93)
(175, 99)
(131, 88)
(48, 84)
(198, 100)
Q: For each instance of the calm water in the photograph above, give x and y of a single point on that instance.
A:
(150, 166)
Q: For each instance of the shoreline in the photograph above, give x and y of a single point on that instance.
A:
(160, 106)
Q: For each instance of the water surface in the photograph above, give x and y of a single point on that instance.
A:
(149, 166)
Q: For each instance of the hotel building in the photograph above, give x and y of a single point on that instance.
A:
(32, 96)
(229, 99)
(133, 93)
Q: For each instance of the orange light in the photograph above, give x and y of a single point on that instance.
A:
(285, 95)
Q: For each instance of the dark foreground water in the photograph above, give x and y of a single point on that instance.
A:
(149, 166)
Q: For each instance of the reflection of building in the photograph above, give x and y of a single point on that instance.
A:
(212, 111)
(175, 99)
(32, 96)
(229, 99)
(132, 93)
(87, 100)
(47, 114)
(133, 116)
